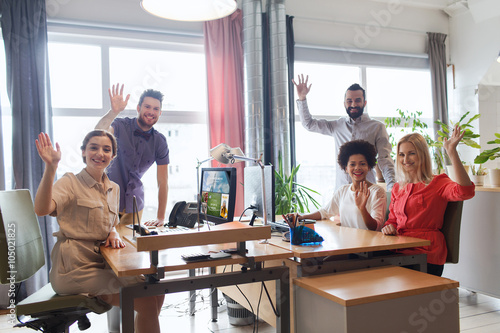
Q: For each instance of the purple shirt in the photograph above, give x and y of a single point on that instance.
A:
(135, 156)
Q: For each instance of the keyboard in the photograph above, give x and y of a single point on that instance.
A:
(279, 225)
(178, 229)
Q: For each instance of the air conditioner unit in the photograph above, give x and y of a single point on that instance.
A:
(456, 8)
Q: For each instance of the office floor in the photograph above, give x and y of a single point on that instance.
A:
(478, 314)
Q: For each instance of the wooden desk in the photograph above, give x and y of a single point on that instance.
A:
(128, 262)
(343, 240)
(376, 300)
(336, 254)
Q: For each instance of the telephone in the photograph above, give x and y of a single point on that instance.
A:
(183, 214)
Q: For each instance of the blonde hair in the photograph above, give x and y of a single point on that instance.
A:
(424, 171)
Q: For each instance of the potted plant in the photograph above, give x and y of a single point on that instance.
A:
(490, 155)
(477, 175)
(290, 196)
(410, 122)
(468, 138)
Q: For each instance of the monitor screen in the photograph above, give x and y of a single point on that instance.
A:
(218, 194)
(253, 190)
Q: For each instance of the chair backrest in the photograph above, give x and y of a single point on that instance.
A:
(21, 246)
(451, 229)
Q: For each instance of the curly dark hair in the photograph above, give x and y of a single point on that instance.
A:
(357, 147)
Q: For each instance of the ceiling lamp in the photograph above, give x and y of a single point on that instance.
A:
(190, 10)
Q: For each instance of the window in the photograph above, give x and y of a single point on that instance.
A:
(387, 89)
(75, 76)
(315, 152)
(82, 69)
(179, 75)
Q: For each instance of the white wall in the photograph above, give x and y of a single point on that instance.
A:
(360, 24)
(474, 47)
(365, 25)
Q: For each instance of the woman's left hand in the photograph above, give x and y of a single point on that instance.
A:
(114, 240)
(451, 143)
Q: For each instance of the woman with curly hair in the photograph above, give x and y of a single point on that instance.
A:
(361, 204)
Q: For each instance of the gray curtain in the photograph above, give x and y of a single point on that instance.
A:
(24, 30)
(436, 48)
(2, 167)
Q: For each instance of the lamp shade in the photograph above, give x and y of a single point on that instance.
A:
(190, 10)
(220, 153)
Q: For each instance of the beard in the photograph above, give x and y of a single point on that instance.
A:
(142, 122)
(357, 109)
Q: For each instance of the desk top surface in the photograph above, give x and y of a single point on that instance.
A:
(342, 240)
(129, 262)
(384, 283)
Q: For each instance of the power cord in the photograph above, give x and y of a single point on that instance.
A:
(249, 207)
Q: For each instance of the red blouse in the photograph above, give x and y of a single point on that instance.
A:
(418, 211)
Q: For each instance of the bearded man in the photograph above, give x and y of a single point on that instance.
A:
(357, 125)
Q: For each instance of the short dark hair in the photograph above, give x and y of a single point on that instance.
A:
(93, 133)
(354, 87)
(357, 147)
(151, 93)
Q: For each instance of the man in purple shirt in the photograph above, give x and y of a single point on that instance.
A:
(139, 146)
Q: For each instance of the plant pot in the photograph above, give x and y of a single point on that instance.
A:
(494, 177)
(478, 180)
(451, 172)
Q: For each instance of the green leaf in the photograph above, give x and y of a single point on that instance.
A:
(480, 159)
(463, 117)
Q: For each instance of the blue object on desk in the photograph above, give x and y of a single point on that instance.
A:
(304, 236)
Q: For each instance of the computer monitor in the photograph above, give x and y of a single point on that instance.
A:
(218, 194)
(253, 190)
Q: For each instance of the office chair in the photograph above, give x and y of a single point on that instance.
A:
(451, 229)
(21, 251)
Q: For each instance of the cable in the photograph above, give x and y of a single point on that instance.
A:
(250, 305)
(270, 301)
(258, 304)
(249, 207)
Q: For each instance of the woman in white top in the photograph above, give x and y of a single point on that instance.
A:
(361, 204)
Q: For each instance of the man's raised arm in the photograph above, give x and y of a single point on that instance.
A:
(118, 104)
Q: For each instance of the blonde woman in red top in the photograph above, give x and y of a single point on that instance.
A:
(419, 198)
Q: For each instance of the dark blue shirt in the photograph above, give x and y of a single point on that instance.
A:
(135, 156)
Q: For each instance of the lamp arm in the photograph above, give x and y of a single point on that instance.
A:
(200, 163)
(198, 197)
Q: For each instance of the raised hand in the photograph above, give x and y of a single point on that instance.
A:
(361, 195)
(302, 87)
(118, 104)
(450, 144)
(46, 151)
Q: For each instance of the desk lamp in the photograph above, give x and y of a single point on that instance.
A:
(227, 155)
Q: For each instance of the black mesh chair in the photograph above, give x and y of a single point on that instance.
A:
(21, 256)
